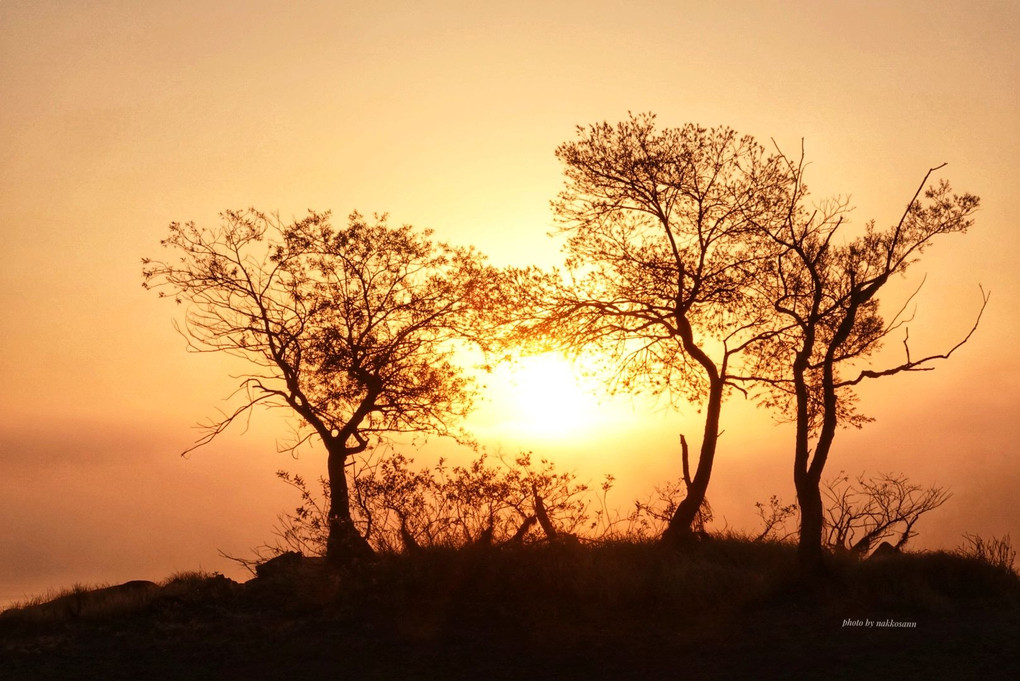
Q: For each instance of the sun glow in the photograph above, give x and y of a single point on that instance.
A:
(547, 397)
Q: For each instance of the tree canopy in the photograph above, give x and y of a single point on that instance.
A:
(353, 329)
(696, 266)
(661, 257)
(824, 289)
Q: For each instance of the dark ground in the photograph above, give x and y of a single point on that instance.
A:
(735, 611)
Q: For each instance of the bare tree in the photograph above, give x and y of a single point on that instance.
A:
(352, 330)
(773, 517)
(862, 513)
(661, 253)
(826, 287)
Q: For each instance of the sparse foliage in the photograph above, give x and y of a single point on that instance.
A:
(350, 329)
(661, 257)
(774, 516)
(824, 288)
(399, 507)
(864, 512)
(483, 502)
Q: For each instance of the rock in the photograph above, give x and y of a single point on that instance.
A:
(884, 549)
(283, 565)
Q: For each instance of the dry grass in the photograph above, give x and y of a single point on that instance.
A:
(104, 602)
(728, 608)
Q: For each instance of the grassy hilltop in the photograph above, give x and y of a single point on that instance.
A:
(729, 608)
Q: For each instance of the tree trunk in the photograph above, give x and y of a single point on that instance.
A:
(807, 480)
(807, 469)
(809, 547)
(680, 531)
(345, 546)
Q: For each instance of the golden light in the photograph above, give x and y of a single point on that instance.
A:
(545, 397)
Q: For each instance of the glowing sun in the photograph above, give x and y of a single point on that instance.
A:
(546, 397)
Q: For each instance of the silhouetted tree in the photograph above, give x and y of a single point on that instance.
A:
(351, 329)
(862, 513)
(859, 514)
(661, 254)
(825, 286)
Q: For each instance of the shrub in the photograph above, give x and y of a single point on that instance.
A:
(402, 508)
(996, 551)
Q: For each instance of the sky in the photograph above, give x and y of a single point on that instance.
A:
(120, 117)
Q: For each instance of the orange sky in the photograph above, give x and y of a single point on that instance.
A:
(119, 117)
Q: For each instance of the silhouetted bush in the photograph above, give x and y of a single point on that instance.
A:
(995, 551)
(400, 508)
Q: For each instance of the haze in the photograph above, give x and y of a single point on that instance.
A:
(120, 117)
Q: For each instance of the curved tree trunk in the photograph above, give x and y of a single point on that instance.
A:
(808, 478)
(680, 531)
(807, 469)
(345, 546)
